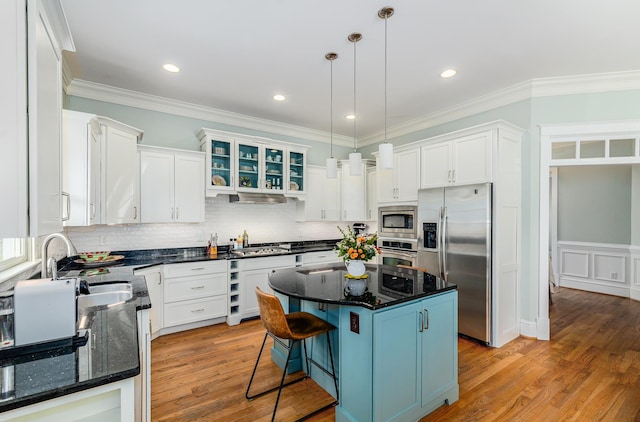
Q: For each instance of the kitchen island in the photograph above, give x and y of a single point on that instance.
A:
(395, 346)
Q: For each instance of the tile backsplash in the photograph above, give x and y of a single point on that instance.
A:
(263, 222)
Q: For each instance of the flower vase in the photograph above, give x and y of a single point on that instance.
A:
(355, 286)
(355, 267)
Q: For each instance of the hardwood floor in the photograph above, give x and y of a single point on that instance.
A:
(589, 371)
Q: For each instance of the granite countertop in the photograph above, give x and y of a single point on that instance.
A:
(111, 353)
(386, 285)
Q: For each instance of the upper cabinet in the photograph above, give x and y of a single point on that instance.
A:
(171, 185)
(354, 192)
(400, 183)
(120, 172)
(460, 161)
(33, 31)
(322, 202)
(81, 158)
(241, 163)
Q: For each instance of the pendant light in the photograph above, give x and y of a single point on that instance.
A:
(355, 158)
(332, 163)
(385, 150)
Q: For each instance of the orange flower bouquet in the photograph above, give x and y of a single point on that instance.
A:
(353, 247)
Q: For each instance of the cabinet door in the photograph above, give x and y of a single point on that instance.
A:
(156, 187)
(297, 164)
(274, 169)
(189, 188)
(407, 174)
(436, 165)
(372, 195)
(397, 346)
(251, 280)
(221, 165)
(385, 185)
(353, 193)
(121, 177)
(45, 116)
(332, 198)
(95, 151)
(314, 202)
(249, 167)
(472, 159)
(439, 346)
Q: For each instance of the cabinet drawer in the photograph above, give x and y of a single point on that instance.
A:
(194, 268)
(176, 289)
(320, 257)
(194, 310)
(282, 261)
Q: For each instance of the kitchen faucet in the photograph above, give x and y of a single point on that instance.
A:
(71, 251)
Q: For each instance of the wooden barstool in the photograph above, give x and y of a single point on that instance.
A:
(296, 327)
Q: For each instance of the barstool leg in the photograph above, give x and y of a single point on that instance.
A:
(284, 374)
(255, 368)
(333, 368)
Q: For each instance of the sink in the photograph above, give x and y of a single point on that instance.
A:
(106, 295)
(111, 287)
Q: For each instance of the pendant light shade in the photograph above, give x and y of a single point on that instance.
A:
(385, 150)
(332, 168)
(355, 158)
(332, 163)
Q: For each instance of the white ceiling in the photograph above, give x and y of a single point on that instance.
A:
(236, 54)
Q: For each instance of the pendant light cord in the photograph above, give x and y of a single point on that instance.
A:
(385, 79)
(331, 110)
(355, 116)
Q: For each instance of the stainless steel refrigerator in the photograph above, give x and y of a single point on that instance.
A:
(455, 244)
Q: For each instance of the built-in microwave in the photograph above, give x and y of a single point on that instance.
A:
(398, 221)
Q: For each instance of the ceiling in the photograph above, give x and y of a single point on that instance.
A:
(235, 55)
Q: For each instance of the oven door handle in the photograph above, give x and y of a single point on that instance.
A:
(396, 252)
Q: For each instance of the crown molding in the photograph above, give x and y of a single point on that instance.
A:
(100, 92)
(542, 87)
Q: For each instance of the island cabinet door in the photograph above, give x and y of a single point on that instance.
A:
(439, 350)
(397, 362)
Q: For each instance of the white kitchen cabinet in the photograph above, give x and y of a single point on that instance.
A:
(219, 149)
(34, 32)
(322, 201)
(320, 257)
(252, 273)
(460, 161)
(354, 192)
(81, 158)
(171, 185)
(297, 165)
(372, 194)
(400, 183)
(142, 382)
(153, 278)
(194, 292)
(120, 172)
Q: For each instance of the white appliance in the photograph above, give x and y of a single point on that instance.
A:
(45, 310)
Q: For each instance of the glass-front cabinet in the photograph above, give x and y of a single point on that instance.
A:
(249, 168)
(297, 165)
(241, 163)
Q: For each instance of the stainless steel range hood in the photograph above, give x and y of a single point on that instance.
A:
(257, 198)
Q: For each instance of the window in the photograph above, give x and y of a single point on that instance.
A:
(12, 252)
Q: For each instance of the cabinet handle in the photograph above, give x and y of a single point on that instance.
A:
(449, 175)
(421, 322)
(172, 213)
(197, 269)
(135, 213)
(197, 310)
(68, 206)
(177, 213)
(197, 287)
(426, 319)
(453, 175)
(92, 207)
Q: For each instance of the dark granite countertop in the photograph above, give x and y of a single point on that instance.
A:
(386, 285)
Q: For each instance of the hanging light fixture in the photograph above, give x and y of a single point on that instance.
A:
(385, 150)
(332, 163)
(355, 158)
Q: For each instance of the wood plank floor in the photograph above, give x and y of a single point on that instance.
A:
(589, 371)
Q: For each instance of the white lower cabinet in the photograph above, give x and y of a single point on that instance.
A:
(142, 382)
(246, 275)
(194, 292)
(153, 279)
(320, 257)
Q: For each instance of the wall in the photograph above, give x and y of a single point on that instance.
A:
(263, 222)
(594, 204)
(635, 205)
(171, 131)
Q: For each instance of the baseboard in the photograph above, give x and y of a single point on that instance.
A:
(528, 329)
(590, 286)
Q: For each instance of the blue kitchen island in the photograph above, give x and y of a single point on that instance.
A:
(395, 347)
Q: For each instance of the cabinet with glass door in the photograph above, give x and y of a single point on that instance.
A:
(249, 168)
(274, 177)
(219, 149)
(297, 164)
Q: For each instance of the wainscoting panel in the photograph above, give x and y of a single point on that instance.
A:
(635, 272)
(597, 267)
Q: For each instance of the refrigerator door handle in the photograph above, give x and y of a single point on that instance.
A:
(439, 243)
(444, 243)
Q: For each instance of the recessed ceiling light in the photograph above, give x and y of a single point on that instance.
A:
(171, 68)
(279, 97)
(448, 73)
(350, 116)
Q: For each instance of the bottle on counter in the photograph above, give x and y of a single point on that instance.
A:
(239, 242)
(213, 246)
(245, 239)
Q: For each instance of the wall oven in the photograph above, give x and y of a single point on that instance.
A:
(396, 252)
(398, 221)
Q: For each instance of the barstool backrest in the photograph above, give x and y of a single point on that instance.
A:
(272, 315)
